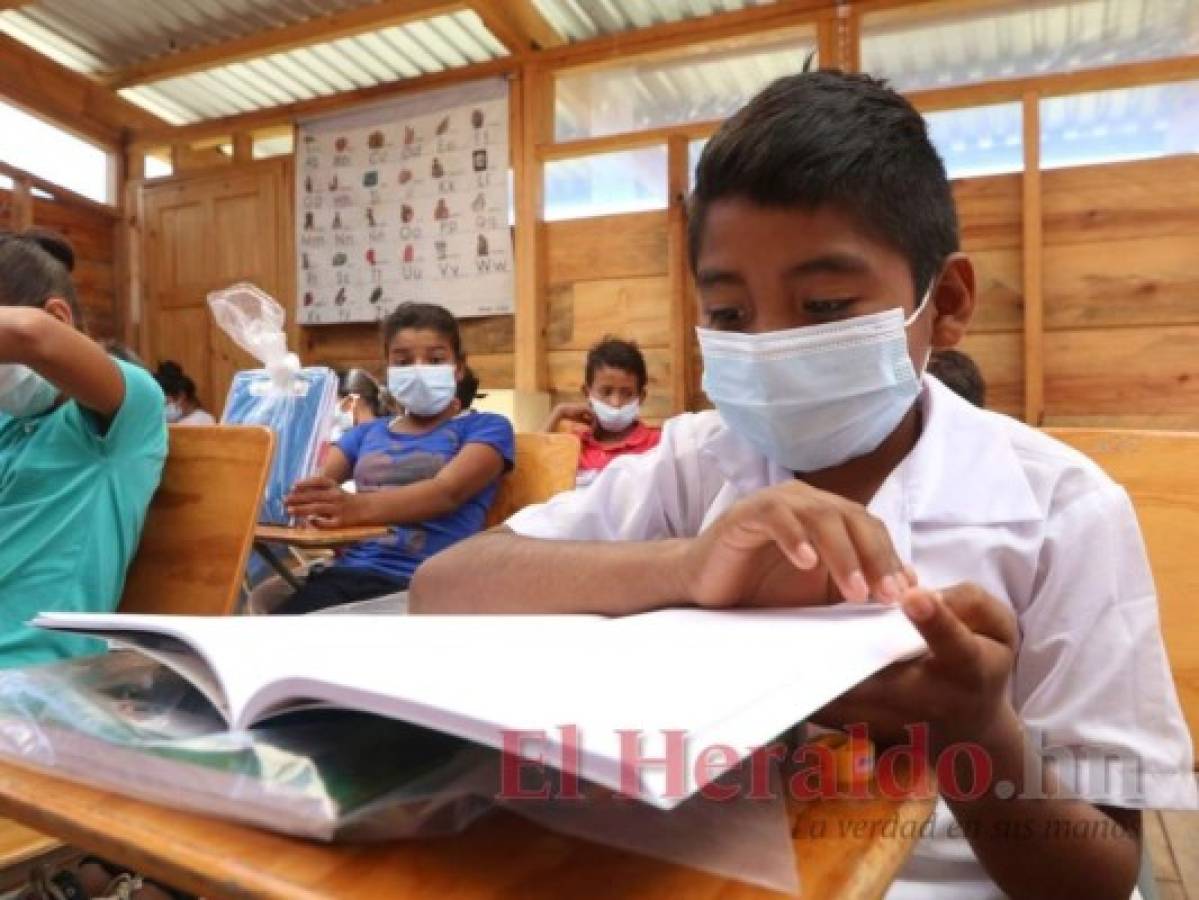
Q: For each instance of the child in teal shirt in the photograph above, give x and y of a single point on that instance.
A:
(82, 444)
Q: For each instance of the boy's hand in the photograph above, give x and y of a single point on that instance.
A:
(575, 412)
(960, 687)
(783, 545)
(322, 502)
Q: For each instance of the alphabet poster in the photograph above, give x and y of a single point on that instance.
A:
(406, 201)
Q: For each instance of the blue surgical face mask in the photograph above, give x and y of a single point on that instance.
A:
(615, 418)
(23, 392)
(423, 390)
(814, 397)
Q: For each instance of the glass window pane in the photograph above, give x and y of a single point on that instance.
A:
(694, 150)
(1012, 43)
(696, 85)
(51, 153)
(266, 146)
(982, 140)
(605, 184)
(1125, 124)
(159, 166)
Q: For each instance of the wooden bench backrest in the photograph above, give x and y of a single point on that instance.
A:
(546, 464)
(200, 526)
(1160, 471)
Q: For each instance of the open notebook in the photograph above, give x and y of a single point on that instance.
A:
(737, 678)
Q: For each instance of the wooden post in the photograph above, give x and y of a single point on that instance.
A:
(243, 147)
(1033, 250)
(682, 297)
(839, 39)
(22, 204)
(531, 106)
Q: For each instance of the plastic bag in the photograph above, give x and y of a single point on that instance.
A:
(296, 403)
(122, 722)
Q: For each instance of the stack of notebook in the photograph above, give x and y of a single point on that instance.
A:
(299, 409)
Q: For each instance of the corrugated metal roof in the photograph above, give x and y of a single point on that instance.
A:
(578, 20)
(688, 86)
(1050, 37)
(379, 57)
(95, 36)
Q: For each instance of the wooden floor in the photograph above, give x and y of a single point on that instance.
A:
(1173, 839)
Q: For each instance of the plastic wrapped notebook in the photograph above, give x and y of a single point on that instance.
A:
(124, 723)
(296, 403)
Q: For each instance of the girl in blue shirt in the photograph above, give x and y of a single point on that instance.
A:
(82, 445)
(430, 473)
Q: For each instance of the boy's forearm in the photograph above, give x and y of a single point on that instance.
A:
(1053, 848)
(501, 572)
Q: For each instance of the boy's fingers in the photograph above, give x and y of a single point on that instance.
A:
(831, 539)
(789, 536)
(880, 564)
(981, 613)
(949, 641)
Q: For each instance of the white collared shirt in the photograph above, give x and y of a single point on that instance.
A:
(986, 499)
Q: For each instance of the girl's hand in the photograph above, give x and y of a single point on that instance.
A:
(322, 502)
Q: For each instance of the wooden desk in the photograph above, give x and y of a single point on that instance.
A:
(501, 856)
(307, 539)
(317, 538)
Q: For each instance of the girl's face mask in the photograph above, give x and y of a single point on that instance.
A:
(423, 390)
(23, 392)
(814, 397)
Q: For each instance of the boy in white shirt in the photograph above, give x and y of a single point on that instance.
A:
(826, 253)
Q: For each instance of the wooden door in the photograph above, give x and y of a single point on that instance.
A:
(203, 232)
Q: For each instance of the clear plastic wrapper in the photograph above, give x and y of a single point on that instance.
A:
(124, 723)
(294, 402)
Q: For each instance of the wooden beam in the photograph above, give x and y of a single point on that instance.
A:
(682, 297)
(311, 31)
(1137, 74)
(518, 24)
(65, 195)
(22, 204)
(1033, 253)
(149, 138)
(532, 119)
(73, 102)
(629, 140)
(750, 20)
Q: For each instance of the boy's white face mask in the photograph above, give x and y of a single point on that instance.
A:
(814, 397)
(423, 390)
(615, 418)
(23, 392)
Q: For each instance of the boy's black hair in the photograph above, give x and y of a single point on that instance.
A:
(960, 374)
(616, 353)
(424, 316)
(841, 140)
(174, 381)
(35, 266)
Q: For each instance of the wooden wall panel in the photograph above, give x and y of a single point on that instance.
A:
(1147, 372)
(93, 236)
(608, 275)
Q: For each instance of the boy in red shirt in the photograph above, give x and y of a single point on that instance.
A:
(606, 421)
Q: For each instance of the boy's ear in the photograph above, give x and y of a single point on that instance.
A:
(61, 310)
(953, 299)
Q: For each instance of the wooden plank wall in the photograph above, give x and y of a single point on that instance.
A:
(1122, 294)
(93, 235)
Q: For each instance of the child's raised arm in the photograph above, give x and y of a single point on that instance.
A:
(47, 343)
